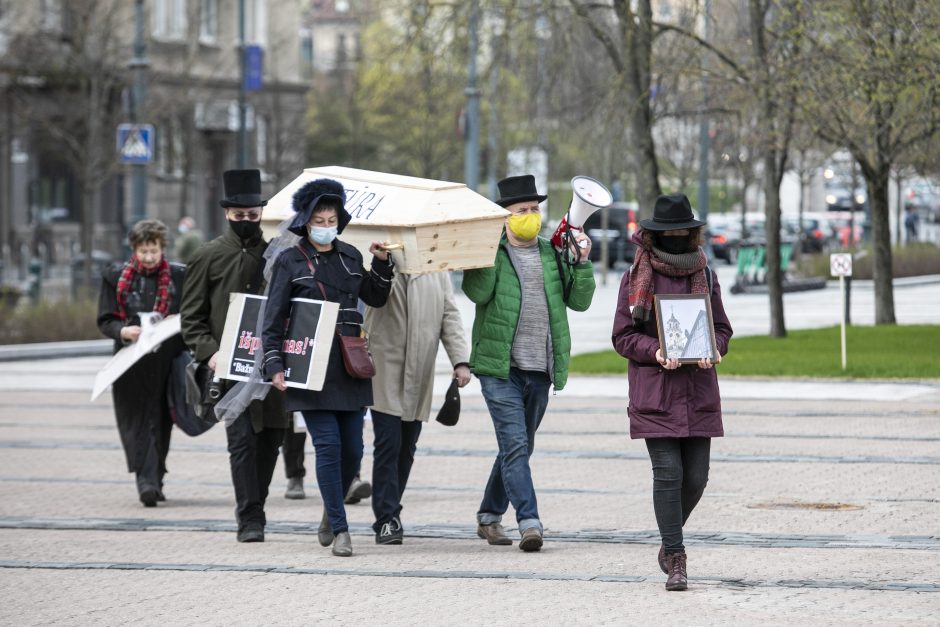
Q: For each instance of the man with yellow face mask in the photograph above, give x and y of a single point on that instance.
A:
(521, 348)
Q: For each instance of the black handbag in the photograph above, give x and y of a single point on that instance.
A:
(449, 413)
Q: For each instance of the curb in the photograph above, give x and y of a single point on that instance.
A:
(56, 350)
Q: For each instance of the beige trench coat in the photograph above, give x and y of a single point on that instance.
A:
(404, 337)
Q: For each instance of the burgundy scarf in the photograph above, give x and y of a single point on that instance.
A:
(131, 269)
(641, 277)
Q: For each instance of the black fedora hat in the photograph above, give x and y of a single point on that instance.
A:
(672, 211)
(518, 189)
(242, 189)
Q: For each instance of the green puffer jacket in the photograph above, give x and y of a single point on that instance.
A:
(498, 297)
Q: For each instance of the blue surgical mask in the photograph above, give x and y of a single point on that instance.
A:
(322, 235)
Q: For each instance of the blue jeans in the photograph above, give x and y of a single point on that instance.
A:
(516, 406)
(337, 440)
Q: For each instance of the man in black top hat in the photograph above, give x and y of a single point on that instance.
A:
(521, 347)
(233, 262)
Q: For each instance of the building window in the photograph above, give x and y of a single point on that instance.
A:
(169, 19)
(209, 21)
(256, 22)
(306, 52)
(50, 16)
(170, 148)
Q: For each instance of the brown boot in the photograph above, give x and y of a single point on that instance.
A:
(678, 580)
(494, 534)
(662, 559)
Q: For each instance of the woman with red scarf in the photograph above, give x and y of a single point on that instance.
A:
(675, 408)
(146, 283)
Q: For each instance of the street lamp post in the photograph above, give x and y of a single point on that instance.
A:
(138, 65)
(242, 132)
(472, 118)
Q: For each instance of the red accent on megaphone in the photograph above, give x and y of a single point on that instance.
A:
(559, 233)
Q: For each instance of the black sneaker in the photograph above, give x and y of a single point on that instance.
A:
(390, 533)
(149, 497)
(251, 533)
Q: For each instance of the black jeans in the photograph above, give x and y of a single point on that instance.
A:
(252, 457)
(395, 443)
(293, 452)
(680, 472)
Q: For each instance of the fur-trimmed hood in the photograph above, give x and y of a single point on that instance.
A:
(306, 199)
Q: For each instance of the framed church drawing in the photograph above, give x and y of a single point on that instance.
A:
(685, 326)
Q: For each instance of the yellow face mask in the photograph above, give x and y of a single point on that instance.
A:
(526, 226)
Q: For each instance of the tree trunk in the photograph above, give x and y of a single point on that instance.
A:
(882, 269)
(774, 272)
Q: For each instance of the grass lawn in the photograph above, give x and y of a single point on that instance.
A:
(879, 352)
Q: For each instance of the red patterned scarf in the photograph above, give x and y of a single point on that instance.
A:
(132, 268)
(641, 276)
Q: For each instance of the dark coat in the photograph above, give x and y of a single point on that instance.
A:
(218, 268)
(139, 394)
(345, 281)
(679, 403)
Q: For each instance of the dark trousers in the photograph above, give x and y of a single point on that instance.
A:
(337, 440)
(293, 453)
(394, 454)
(680, 472)
(252, 457)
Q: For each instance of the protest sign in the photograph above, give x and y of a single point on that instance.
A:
(153, 332)
(305, 351)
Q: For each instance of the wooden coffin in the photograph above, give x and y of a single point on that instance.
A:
(439, 225)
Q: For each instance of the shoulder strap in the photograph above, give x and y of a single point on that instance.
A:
(310, 266)
(708, 278)
(566, 286)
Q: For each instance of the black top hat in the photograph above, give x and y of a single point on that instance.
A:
(309, 195)
(672, 211)
(518, 189)
(242, 189)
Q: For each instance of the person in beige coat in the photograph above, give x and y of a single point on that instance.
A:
(404, 336)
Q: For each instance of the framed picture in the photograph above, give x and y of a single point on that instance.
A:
(685, 326)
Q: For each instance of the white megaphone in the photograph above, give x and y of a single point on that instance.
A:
(589, 196)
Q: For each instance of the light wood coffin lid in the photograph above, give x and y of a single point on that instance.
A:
(442, 225)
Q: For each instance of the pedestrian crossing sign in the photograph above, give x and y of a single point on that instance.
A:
(135, 143)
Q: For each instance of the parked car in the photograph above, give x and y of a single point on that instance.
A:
(818, 235)
(725, 237)
(621, 225)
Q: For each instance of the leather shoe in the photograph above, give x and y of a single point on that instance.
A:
(531, 540)
(662, 559)
(494, 534)
(149, 497)
(342, 545)
(295, 488)
(358, 490)
(253, 533)
(325, 532)
(678, 580)
(390, 532)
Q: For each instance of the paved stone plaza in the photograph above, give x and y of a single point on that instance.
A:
(822, 508)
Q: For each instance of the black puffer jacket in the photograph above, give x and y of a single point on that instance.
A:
(346, 281)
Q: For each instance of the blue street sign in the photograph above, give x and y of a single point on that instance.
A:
(135, 143)
(254, 67)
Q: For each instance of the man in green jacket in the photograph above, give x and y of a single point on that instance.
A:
(521, 348)
(233, 262)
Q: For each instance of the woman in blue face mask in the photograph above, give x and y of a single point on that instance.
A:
(322, 267)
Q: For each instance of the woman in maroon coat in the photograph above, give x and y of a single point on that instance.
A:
(676, 409)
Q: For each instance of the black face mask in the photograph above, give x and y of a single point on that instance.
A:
(675, 244)
(245, 229)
